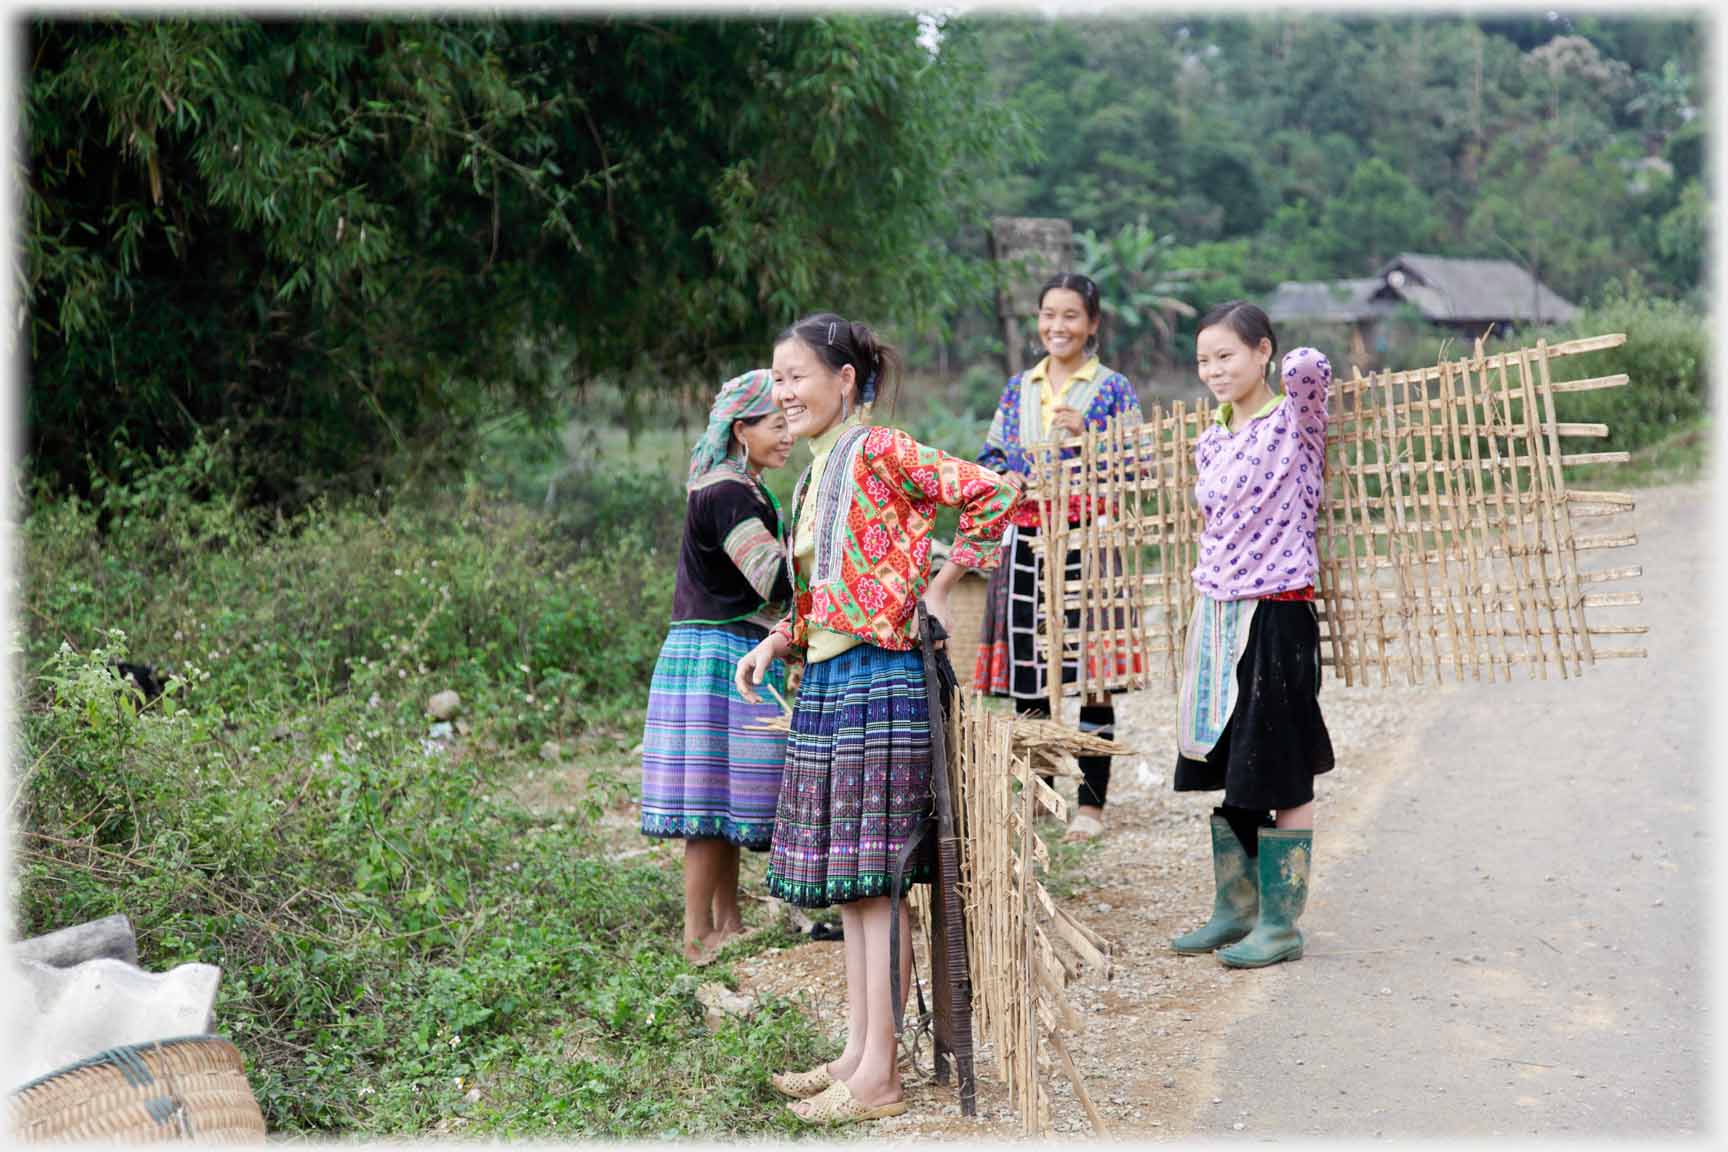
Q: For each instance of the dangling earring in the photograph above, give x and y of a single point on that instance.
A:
(845, 408)
(743, 458)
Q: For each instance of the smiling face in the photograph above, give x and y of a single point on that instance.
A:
(1063, 326)
(811, 394)
(1234, 372)
(768, 440)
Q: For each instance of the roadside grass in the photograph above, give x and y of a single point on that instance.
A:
(407, 947)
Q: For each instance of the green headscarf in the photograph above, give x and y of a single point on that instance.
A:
(740, 398)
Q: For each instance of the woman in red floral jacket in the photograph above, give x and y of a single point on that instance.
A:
(857, 779)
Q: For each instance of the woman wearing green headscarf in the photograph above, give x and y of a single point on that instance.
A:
(708, 776)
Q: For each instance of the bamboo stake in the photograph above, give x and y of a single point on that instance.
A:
(1565, 543)
(1180, 522)
(1354, 668)
(1517, 553)
(1086, 546)
(1444, 541)
(1099, 1128)
(1030, 1056)
(1055, 569)
(1392, 504)
(1463, 537)
(1427, 589)
(1166, 556)
(1543, 515)
(1538, 480)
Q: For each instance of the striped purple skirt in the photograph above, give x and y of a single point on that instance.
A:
(706, 774)
(857, 779)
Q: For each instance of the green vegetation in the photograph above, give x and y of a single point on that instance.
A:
(352, 242)
(1665, 355)
(397, 924)
(1311, 147)
(366, 355)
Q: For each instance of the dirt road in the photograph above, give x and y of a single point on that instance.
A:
(1516, 942)
(1505, 935)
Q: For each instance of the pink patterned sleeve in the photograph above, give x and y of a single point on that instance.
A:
(1307, 380)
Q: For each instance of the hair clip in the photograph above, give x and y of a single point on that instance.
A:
(831, 326)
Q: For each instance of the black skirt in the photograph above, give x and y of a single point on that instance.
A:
(1014, 621)
(1275, 741)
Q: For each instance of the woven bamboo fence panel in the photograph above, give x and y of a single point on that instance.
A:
(1449, 541)
(1022, 947)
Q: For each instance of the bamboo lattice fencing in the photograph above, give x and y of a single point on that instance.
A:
(1022, 947)
(1447, 534)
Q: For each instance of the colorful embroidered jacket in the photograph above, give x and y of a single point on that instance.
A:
(875, 509)
(1098, 393)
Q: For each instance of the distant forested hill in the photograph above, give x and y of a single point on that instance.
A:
(1312, 147)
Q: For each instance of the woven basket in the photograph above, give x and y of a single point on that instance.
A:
(188, 1088)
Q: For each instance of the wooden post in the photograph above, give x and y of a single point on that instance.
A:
(1026, 250)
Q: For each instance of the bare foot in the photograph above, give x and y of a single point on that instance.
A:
(1088, 824)
(700, 952)
(874, 1092)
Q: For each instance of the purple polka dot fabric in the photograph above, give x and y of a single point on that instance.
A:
(1259, 490)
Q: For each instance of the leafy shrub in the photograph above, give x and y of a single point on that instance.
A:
(600, 506)
(396, 929)
(393, 928)
(483, 594)
(1665, 356)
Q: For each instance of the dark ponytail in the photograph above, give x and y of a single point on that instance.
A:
(839, 342)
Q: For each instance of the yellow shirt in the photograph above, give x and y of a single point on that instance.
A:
(1049, 398)
(823, 643)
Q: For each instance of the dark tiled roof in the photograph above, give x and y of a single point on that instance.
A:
(1441, 288)
(1449, 289)
(1322, 301)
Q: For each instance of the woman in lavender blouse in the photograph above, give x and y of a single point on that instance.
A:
(1250, 722)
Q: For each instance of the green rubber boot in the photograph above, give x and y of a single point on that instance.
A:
(1237, 901)
(1284, 856)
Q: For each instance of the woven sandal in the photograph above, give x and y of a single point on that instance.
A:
(802, 1085)
(1083, 828)
(838, 1106)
